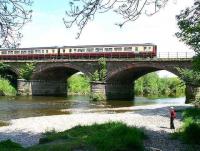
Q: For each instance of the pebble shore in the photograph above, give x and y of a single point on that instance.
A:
(154, 118)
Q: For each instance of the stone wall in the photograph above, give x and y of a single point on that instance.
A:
(113, 91)
(41, 88)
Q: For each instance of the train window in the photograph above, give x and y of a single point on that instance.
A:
(127, 48)
(53, 51)
(29, 52)
(118, 49)
(16, 52)
(81, 50)
(149, 48)
(108, 49)
(99, 49)
(136, 48)
(63, 50)
(23, 52)
(46, 51)
(42, 51)
(90, 49)
(145, 48)
(74, 50)
(4, 52)
(32, 51)
(10, 52)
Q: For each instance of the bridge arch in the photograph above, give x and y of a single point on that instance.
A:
(120, 78)
(134, 71)
(12, 74)
(56, 71)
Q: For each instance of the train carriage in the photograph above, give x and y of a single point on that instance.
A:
(84, 51)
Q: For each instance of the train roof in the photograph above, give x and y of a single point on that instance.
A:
(29, 48)
(80, 46)
(109, 45)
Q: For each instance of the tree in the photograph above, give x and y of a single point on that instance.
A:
(13, 15)
(189, 25)
(83, 11)
(26, 70)
(100, 73)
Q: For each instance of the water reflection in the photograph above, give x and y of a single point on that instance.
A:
(21, 107)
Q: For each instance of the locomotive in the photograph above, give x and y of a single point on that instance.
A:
(82, 51)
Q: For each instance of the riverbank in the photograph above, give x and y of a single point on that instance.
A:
(154, 118)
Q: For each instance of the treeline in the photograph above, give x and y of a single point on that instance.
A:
(78, 84)
(150, 85)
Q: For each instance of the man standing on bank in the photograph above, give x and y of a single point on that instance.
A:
(172, 117)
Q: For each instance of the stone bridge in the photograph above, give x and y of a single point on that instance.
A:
(49, 76)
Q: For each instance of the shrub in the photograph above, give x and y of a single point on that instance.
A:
(191, 133)
(6, 88)
(97, 97)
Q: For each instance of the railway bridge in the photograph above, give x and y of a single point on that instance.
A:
(49, 76)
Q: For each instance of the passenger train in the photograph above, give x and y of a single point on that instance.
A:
(83, 51)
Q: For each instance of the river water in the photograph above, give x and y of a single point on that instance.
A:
(21, 107)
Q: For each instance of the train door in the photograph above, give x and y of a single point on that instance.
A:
(58, 53)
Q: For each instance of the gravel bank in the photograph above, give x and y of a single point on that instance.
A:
(155, 119)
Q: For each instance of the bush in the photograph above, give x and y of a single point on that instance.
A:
(6, 89)
(190, 131)
(97, 97)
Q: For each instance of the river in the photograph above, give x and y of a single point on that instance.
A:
(21, 107)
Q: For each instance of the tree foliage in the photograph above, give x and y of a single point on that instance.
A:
(151, 85)
(189, 25)
(13, 15)
(27, 70)
(83, 11)
(100, 73)
(190, 76)
(78, 84)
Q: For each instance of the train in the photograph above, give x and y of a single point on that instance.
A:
(146, 50)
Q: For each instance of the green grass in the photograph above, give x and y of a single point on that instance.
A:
(6, 88)
(8, 145)
(104, 137)
(190, 131)
(114, 136)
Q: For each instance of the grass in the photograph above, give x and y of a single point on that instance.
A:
(113, 136)
(6, 88)
(190, 131)
(8, 145)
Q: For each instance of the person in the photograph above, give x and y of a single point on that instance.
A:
(172, 117)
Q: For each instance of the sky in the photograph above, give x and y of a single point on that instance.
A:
(47, 28)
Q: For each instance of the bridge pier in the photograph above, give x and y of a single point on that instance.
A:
(41, 87)
(192, 93)
(113, 91)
